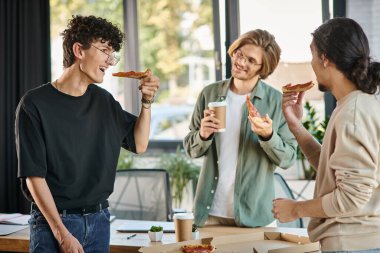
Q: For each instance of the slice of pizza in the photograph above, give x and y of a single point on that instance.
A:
(253, 112)
(297, 87)
(198, 248)
(133, 74)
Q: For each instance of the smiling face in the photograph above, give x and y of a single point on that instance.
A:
(96, 60)
(246, 62)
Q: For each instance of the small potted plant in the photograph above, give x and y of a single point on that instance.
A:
(155, 233)
(195, 232)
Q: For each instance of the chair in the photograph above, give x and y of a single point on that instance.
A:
(282, 190)
(141, 194)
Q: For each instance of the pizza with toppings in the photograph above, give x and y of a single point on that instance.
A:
(197, 248)
(133, 74)
(253, 112)
(297, 87)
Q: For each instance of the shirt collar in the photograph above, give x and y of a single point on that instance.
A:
(257, 92)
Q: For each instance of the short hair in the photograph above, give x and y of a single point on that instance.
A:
(267, 42)
(86, 29)
(343, 41)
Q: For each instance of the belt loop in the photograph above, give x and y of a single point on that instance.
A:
(64, 213)
(100, 206)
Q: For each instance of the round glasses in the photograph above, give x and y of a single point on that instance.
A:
(112, 58)
(242, 59)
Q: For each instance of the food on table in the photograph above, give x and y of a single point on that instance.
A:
(198, 248)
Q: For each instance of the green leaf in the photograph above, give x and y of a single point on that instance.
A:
(317, 129)
(181, 171)
(155, 228)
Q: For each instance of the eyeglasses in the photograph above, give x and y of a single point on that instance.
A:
(242, 59)
(112, 58)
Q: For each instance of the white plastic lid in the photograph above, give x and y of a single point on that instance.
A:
(216, 104)
(183, 216)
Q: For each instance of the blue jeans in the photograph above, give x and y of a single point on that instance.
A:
(91, 230)
(356, 251)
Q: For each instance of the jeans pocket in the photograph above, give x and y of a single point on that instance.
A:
(105, 214)
(38, 221)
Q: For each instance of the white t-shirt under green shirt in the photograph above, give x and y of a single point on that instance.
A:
(223, 203)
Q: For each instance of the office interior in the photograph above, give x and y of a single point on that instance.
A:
(30, 56)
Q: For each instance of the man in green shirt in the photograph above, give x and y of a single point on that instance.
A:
(236, 182)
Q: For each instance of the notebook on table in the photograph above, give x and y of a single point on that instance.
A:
(14, 218)
(143, 226)
(10, 229)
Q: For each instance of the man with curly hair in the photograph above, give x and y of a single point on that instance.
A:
(68, 136)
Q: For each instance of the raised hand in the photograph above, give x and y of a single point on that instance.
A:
(209, 124)
(262, 126)
(292, 108)
(149, 86)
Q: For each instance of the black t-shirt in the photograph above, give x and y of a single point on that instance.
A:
(72, 142)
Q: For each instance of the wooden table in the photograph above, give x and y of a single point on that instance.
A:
(19, 241)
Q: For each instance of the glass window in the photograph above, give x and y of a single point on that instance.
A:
(176, 43)
(367, 14)
(292, 24)
(63, 10)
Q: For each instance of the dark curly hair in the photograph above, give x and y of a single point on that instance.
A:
(344, 42)
(86, 29)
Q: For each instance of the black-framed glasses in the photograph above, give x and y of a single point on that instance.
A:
(242, 59)
(112, 58)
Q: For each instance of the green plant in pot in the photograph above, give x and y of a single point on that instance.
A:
(317, 129)
(181, 171)
(155, 233)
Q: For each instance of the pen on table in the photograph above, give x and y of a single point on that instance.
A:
(131, 236)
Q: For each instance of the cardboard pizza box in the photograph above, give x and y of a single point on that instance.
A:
(260, 242)
(271, 242)
(173, 247)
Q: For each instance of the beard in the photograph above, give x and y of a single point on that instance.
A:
(322, 87)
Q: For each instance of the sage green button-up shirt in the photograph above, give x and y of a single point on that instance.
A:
(257, 159)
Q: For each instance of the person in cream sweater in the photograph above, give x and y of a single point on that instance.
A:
(345, 211)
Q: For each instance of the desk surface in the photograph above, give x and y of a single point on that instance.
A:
(19, 241)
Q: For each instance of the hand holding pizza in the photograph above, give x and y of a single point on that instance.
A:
(261, 125)
(149, 83)
(292, 106)
(149, 86)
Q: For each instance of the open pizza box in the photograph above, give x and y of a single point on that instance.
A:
(261, 242)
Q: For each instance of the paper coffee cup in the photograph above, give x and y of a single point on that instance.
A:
(183, 223)
(220, 113)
